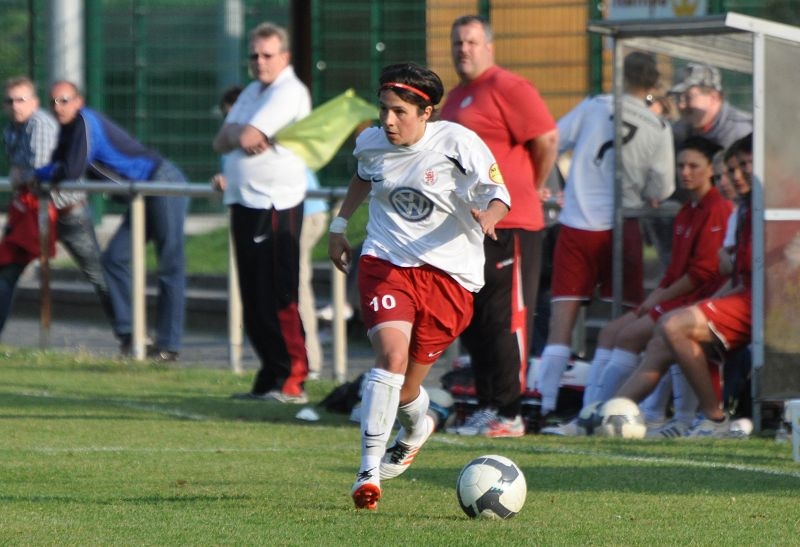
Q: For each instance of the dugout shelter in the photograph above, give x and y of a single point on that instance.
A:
(768, 54)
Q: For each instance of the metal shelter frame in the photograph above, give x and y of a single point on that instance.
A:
(752, 46)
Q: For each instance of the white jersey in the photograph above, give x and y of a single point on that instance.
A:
(421, 197)
(648, 160)
(277, 176)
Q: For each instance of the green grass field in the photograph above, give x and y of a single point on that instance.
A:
(119, 453)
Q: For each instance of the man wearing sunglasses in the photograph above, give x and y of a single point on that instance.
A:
(91, 145)
(30, 138)
(266, 186)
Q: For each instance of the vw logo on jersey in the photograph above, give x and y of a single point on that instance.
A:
(411, 204)
(466, 101)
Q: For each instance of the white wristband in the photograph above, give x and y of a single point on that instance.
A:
(338, 225)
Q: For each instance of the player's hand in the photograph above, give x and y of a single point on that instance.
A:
(487, 222)
(490, 216)
(653, 299)
(340, 252)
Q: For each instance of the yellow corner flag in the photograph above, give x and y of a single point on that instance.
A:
(318, 136)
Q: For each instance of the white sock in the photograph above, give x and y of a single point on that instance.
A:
(686, 402)
(555, 358)
(412, 419)
(594, 385)
(654, 407)
(620, 366)
(379, 400)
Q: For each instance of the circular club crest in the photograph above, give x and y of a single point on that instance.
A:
(411, 204)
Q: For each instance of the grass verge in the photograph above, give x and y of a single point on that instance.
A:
(100, 452)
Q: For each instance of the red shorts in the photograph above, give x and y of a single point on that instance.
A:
(438, 308)
(730, 318)
(582, 262)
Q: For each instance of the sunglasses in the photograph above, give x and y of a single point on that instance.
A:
(267, 56)
(62, 99)
(18, 100)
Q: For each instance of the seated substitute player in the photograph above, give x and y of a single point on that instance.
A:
(711, 328)
(692, 274)
(673, 392)
(435, 191)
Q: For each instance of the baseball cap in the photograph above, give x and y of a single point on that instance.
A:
(698, 74)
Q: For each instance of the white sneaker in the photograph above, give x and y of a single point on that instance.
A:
(399, 455)
(673, 429)
(504, 427)
(475, 423)
(709, 429)
(366, 490)
(278, 395)
(568, 429)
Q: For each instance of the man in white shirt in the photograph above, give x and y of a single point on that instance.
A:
(266, 185)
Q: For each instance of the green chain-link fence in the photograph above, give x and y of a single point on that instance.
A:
(158, 66)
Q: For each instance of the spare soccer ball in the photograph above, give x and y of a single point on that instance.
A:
(589, 418)
(491, 487)
(621, 417)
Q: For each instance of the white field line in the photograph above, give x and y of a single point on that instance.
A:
(135, 405)
(453, 440)
(444, 439)
(678, 461)
(148, 450)
(160, 409)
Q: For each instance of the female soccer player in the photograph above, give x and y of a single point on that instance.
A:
(435, 192)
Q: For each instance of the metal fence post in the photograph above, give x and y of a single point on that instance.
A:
(45, 313)
(339, 325)
(138, 278)
(234, 311)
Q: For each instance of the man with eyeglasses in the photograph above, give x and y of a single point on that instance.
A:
(266, 186)
(30, 138)
(91, 145)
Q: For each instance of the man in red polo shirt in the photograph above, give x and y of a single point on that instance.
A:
(508, 113)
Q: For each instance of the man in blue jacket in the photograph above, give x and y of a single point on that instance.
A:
(92, 146)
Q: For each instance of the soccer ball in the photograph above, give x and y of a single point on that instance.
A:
(621, 417)
(491, 487)
(589, 418)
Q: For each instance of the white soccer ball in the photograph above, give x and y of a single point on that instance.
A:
(621, 417)
(589, 418)
(491, 487)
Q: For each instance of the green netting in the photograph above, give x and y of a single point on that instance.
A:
(158, 66)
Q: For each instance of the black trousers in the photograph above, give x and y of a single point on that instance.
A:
(500, 334)
(267, 246)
